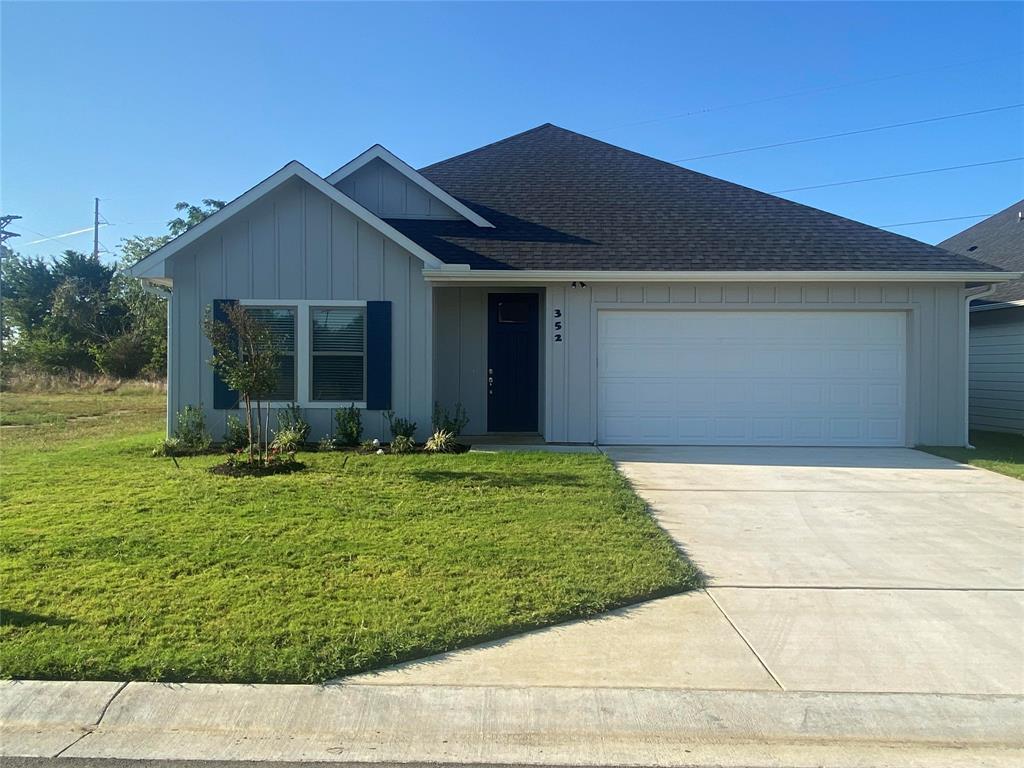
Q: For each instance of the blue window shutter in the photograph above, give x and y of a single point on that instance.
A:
(224, 398)
(378, 355)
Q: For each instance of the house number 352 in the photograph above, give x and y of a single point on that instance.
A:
(558, 325)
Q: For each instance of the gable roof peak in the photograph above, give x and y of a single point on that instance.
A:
(378, 152)
(150, 268)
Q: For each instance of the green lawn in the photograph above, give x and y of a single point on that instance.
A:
(116, 565)
(998, 451)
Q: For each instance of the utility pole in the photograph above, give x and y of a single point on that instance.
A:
(96, 230)
(5, 220)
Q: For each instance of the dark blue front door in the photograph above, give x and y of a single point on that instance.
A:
(512, 347)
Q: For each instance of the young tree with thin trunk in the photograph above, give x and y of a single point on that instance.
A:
(246, 360)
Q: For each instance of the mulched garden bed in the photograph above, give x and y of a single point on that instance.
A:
(257, 470)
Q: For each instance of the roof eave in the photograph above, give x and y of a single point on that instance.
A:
(538, 276)
(997, 305)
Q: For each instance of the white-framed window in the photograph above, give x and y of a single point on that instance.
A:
(323, 356)
(337, 349)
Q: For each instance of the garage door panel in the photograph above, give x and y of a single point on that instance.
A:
(809, 362)
(885, 396)
(884, 360)
(885, 430)
(773, 428)
(736, 378)
(771, 394)
(808, 428)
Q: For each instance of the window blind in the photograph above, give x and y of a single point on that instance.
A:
(338, 352)
(280, 321)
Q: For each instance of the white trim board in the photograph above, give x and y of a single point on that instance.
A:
(450, 274)
(150, 268)
(379, 152)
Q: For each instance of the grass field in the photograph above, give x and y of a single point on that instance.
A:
(116, 565)
(999, 451)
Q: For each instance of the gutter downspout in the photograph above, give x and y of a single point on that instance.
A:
(968, 298)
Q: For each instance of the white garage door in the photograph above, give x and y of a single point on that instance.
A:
(751, 378)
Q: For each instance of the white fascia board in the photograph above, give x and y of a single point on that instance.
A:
(147, 266)
(148, 270)
(380, 152)
(539, 276)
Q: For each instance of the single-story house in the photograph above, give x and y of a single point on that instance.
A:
(997, 323)
(559, 286)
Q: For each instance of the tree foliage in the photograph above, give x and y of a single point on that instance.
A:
(245, 357)
(74, 312)
(193, 214)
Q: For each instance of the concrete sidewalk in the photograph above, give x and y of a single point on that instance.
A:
(480, 725)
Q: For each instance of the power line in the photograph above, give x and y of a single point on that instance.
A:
(853, 133)
(932, 221)
(805, 92)
(45, 238)
(898, 175)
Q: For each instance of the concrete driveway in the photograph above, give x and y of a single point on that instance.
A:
(845, 569)
(851, 569)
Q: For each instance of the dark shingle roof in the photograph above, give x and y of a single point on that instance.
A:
(561, 200)
(999, 241)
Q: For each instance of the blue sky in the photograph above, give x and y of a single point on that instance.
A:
(146, 104)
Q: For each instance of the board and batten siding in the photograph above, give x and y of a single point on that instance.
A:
(997, 370)
(298, 244)
(386, 192)
(935, 344)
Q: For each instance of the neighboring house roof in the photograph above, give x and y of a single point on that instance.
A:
(378, 151)
(559, 200)
(151, 267)
(999, 241)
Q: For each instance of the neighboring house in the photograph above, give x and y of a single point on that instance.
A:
(997, 323)
(560, 286)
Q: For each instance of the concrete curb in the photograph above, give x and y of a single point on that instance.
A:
(41, 717)
(474, 725)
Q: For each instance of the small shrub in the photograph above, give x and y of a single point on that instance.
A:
(442, 441)
(190, 435)
(399, 426)
(290, 419)
(255, 464)
(169, 447)
(289, 439)
(236, 436)
(190, 429)
(327, 443)
(241, 456)
(369, 446)
(453, 422)
(403, 444)
(348, 426)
